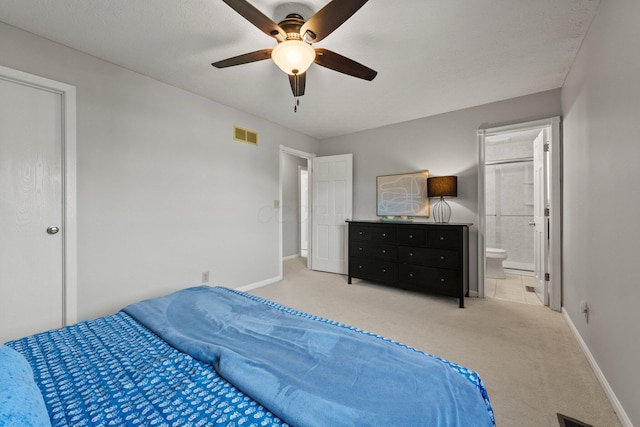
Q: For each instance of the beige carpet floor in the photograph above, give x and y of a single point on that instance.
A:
(526, 355)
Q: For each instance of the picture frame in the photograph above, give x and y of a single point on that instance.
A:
(402, 195)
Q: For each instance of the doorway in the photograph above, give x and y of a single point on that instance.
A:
(519, 213)
(37, 145)
(294, 224)
(330, 204)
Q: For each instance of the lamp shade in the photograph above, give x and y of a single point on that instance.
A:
(293, 56)
(442, 186)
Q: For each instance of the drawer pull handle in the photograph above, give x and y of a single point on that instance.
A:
(360, 267)
(360, 233)
(442, 257)
(410, 274)
(443, 280)
(360, 249)
(384, 234)
(384, 251)
(411, 236)
(441, 237)
(410, 253)
(384, 270)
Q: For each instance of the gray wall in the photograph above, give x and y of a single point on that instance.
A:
(445, 144)
(291, 204)
(601, 105)
(164, 192)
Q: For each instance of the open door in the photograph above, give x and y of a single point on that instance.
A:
(540, 219)
(548, 216)
(332, 205)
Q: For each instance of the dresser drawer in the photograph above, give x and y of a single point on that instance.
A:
(381, 251)
(445, 239)
(440, 258)
(372, 233)
(410, 236)
(441, 281)
(381, 271)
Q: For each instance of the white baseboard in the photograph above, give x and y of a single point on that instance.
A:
(286, 258)
(246, 288)
(617, 407)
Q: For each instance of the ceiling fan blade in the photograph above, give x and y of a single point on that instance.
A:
(342, 64)
(258, 55)
(298, 83)
(257, 18)
(330, 17)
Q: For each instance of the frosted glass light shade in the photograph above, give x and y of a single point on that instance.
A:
(293, 56)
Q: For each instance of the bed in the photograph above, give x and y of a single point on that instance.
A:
(214, 356)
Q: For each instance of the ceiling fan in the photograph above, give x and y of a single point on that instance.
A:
(294, 53)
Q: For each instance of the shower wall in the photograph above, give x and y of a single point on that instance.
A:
(509, 201)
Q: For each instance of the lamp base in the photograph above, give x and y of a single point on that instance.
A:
(441, 212)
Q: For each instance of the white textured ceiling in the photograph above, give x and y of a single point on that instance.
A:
(432, 56)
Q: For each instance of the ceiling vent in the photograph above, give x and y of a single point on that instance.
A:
(245, 135)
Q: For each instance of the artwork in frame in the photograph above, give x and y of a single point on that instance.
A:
(402, 195)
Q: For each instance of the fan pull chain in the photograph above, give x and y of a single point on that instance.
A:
(296, 84)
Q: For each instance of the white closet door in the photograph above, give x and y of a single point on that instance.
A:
(31, 275)
(332, 194)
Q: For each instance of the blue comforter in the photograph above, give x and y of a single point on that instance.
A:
(313, 372)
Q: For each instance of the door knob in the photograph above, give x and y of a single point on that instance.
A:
(53, 230)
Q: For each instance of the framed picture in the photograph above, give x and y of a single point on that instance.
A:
(402, 194)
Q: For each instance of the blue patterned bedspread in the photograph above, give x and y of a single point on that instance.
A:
(112, 371)
(311, 371)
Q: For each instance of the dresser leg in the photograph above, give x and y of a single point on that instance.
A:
(348, 280)
(462, 302)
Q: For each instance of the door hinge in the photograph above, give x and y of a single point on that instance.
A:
(547, 277)
(546, 211)
(546, 147)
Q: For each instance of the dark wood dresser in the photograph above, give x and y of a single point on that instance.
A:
(424, 257)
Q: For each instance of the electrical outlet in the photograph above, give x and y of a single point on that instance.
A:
(205, 277)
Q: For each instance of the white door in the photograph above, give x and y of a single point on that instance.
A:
(332, 194)
(31, 276)
(540, 220)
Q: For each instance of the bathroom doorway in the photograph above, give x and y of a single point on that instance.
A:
(519, 207)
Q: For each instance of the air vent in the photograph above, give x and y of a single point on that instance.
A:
(245, 135)
(570, 422)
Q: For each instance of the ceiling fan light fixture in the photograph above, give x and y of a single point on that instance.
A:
(293, 56)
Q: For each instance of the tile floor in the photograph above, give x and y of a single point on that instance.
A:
(513, 288)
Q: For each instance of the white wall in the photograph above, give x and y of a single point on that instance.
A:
(164, 192)
(601, 107)
(445, 144)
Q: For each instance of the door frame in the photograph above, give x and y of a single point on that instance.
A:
(301, 172)
(555, 200)
(298, 153)
(69, 219)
